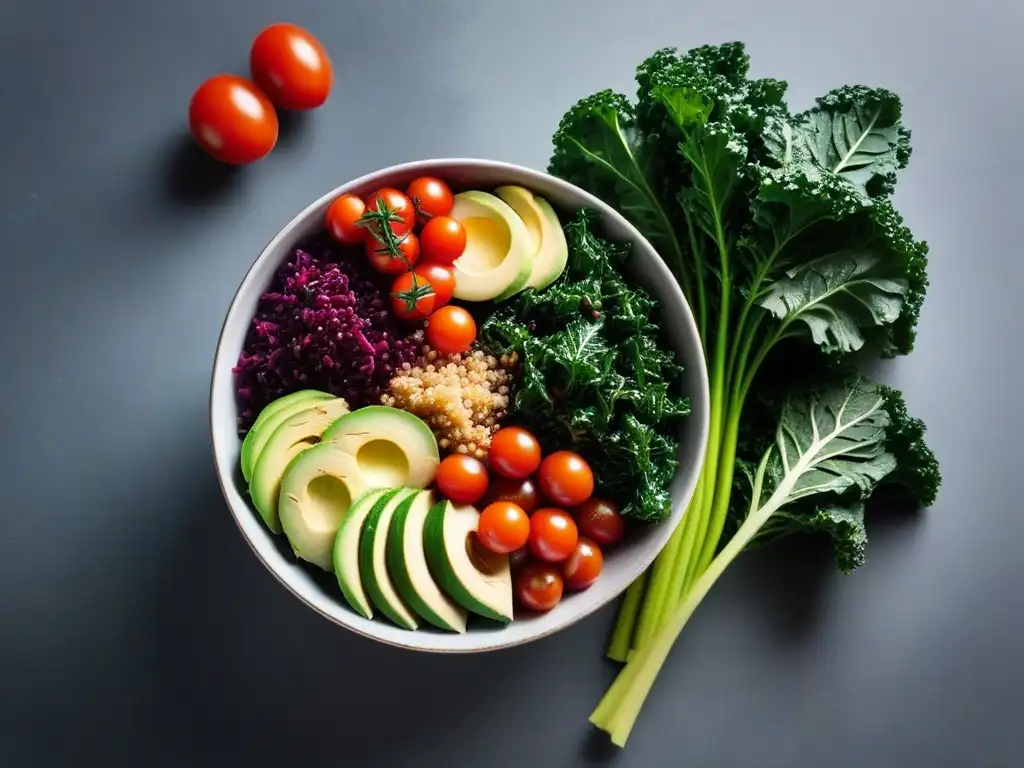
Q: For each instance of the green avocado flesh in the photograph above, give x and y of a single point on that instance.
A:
(346, 549)
(407, 564)
(271, 410)
(373, 562)
(480, 581)
(293, 436)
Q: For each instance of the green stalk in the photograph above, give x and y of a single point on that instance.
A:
(622, 635)
(743, 375)
(617, 712)
(660, 579)
(661, 597)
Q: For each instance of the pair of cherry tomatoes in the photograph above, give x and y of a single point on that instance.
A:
(233, 119)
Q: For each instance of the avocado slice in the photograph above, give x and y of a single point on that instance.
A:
(346, 549)
(263, 434)
(551, 251)
(294, 435)
(373, 562)
(268, 411)
(392, 447)
(478, 580)
(317, 490)
(407, 564)
(497, 260)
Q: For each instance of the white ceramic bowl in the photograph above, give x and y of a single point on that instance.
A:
(621, 566)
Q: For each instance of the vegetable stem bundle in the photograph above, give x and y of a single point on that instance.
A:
(781, 231)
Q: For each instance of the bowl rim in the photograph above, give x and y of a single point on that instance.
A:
(436, 166)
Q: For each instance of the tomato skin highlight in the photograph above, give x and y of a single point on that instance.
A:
(383, 261)
(504, 527)
(232, 120)
(397, 203)
(514, 453)
(566, 478)
(440, 277)
(521, 492)
(411, 297)
(451, 330)
(462, 479)
(443, 240)
(431, 196)
(599, 519)
(553, 534)
(583, 566)
(342, 217)
(291, 66)
(538, 586)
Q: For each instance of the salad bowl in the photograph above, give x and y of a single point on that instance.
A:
(633, 554)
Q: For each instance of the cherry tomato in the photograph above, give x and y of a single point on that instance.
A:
(462, 479)
(518, 558)
(553, 534)
(291, 67)
(412, 297)
(583, 566)
(600, 520)
(342, 217)
(397, 205)
(443, 239)
(514, 453)
(503, 527)
(442, 279)
(431, 196)
(521, 492)
(451, 330)
(538, 586)
(232, 120)
(382, 259)
(565, 478)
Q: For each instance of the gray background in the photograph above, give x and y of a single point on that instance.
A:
(135, 625)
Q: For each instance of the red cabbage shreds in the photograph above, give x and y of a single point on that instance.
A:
(324, 324)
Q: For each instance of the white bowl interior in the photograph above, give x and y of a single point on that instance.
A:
(621, 566)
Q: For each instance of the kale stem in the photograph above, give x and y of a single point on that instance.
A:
(625, 624)
(618, 710)
(698, 260)
(689, 541)
(661, 577)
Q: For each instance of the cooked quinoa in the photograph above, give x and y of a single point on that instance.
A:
(461, 397)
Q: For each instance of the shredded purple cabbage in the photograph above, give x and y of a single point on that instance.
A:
(325, 324)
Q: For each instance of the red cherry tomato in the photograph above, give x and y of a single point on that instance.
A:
(451, 330)
(443, 239)
(384, 261)
(431, 196)
(553, 534)
(412, 297)
(397, 205)
(600, 520)
(232, 120)
(342, 217)
(583, 566)
(462, 479)
(538, 586)
(440, 277)
(503, 527)
(291, 67)
(566, 478)
(521, 492)
(514, 453)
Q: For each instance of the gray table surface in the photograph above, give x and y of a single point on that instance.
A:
(136, 627)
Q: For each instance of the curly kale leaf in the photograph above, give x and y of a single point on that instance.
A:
(593, 373)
